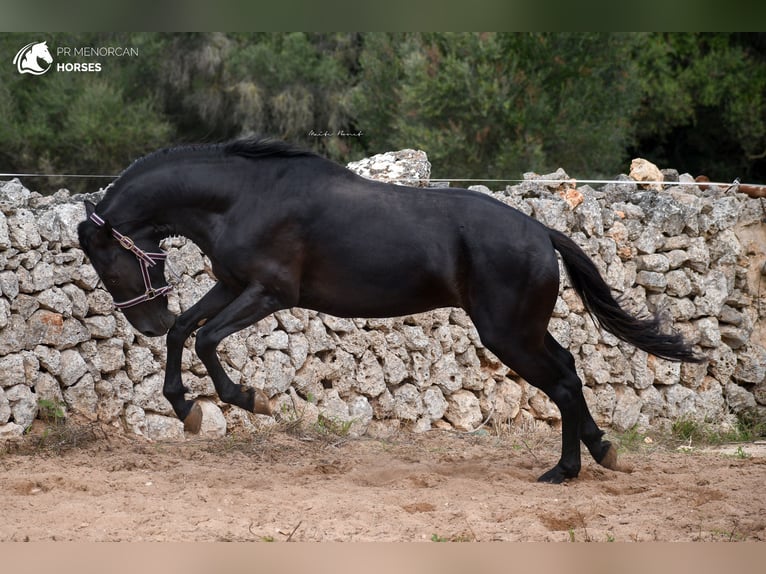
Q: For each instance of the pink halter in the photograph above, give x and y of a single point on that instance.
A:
(145, 260)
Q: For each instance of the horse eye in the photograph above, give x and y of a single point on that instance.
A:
(112, 281)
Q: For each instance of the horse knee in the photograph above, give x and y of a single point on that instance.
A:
(205, 344)
(176, 336)
(565, 395)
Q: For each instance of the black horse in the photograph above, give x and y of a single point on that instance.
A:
(285, 228)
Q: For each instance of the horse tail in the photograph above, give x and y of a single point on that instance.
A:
(645, 333)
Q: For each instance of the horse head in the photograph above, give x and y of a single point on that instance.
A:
(132, 271)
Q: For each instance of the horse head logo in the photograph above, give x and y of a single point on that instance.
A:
(27, 60)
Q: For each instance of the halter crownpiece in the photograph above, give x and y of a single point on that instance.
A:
(145, 260)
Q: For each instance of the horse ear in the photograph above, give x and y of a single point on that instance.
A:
(90, 209)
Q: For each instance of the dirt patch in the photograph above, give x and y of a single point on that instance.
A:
(435, 486)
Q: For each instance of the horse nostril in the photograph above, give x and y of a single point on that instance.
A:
(168, 321)
(152, 332)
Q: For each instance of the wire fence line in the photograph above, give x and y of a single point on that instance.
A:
(571, 180)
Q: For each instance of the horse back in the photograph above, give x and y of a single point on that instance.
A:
(374, 249)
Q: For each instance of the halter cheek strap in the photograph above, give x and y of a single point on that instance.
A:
(145, 261)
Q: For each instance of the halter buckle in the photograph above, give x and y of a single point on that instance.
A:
(127, 242)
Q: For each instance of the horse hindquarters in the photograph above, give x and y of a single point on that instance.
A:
(511, 306)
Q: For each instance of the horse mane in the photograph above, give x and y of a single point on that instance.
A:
(252, 147)
(258, 147)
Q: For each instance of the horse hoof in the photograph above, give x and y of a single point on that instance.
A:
(193, 421)
(610, 461)
(261, 405)
(556, 475)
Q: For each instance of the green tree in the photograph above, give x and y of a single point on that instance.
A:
(495, 105)
(219, 86)
(703, 107)
(482, 105)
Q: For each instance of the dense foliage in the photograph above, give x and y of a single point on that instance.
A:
(482, 105)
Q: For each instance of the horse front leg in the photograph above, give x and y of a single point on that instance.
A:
(250, 306)
(189, 321)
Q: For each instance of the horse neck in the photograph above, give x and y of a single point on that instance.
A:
(154, 206)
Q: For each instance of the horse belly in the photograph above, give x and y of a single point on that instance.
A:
(380, 283)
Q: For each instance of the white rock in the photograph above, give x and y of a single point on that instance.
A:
(23, 404)
(101, 326)
(5, 313)
(277, 373)
(5, 237)
(643, 170)
(213, 421)
(665, 372)
(81, 398)
(148, 395)
(5, 408)
(278, 340)
(318, 338)
(332, 407)
(447, 374)
(23, 230)
(72, 367)
(710, 404)
(404, 167)
(394, 369)
(110, 355)
(12, 371)
(680, 402)
(11, 432)
(141, 363)
(298, 349)
(627, 408)
(13, 194)
(360, 412)
(542, 406)
(407, 402)
(47, 389)
(464, 411)
(504, 401)
(370, 376)
(738, 398)
(135, 420)
(434, 403)
(159, 427)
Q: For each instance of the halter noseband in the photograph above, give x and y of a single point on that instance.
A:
(145, 260)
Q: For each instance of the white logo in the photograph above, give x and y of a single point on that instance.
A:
(27, 59)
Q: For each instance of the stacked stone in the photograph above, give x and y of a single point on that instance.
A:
(692, 255)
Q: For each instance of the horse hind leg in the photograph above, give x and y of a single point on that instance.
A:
(525, 351)
(602, 451)
(192, 412)
(252, 305)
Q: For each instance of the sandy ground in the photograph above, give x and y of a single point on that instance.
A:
(439, 486)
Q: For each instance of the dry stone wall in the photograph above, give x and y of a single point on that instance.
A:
(694, 255)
